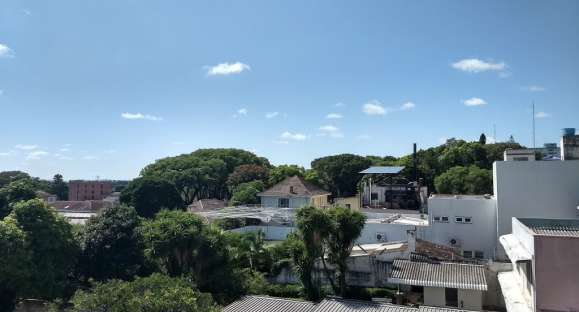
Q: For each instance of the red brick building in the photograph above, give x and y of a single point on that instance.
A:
(89, 190)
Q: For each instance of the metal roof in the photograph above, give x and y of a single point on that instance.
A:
(552, 227)
(383, 170)
(450, 275)
(340, 305)
(269, 304)
(438, 309)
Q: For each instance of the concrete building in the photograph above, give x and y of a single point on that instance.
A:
(545, 257)
(445, 284)
(569, 145)
(89, 190)
(527, 154)
(463, 222)
(294, 192)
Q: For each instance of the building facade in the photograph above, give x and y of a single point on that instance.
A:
(294, 192)
(89, 190)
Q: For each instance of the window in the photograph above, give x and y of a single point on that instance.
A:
(283, 202)
(444, 219)
(348, 206)
(451, 297)
(467, 220)
(462, 219)
(520, 158)
(374, 196)
(479, 254)
(436, 219)
(467, 253)
(458, 220)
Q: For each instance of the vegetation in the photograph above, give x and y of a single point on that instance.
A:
(149, 195)
(246, 193)
(465, 180)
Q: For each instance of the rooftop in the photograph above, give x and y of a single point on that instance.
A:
(341, 305)
(552, 227)
(449, 275)
(383, 170)
(294, 186)
(269, 304)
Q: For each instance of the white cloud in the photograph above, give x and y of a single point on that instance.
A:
(374, 108)
(5, 51)
(227, 69)
(542, 115)
(474, 102)
(271, 115)
(331, 131)
(339, 104)
(242, 111)
(363, 137)
(89, 157)
(35, 155)
(137, 116)
(407, 106)
(26, 147)
(474, 65)
(4, 154)
(280, 142)
(533, 88)
(64, 149)
(293, 136)
(334, 116)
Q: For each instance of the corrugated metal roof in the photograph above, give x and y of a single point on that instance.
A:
(451, 275)
(383, 170)
(269, 304)
(439, 309)
(552, 227)
(341, 305)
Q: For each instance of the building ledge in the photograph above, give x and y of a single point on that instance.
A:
(514, 299)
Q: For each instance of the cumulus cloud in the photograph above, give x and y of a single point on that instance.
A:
(331, 131)
(271, 115)
(227, 69)
(5, 51)
(474, 65)
(4, 154)
(90, 157)
(533, 88)
(363, 137)
(65, 149)
(474, 102)
(280, 142)
(293, 136)
(334, 116)
(407, 106)
(339, 104)
(26, 147)
(139, 116)
(542, 115)
(36, 155)
(242, 111)
(374, 108)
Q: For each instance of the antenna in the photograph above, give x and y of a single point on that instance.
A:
(534, 125)
(495, 133)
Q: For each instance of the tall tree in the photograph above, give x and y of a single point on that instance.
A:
(340, 174)
(246, 193)
(59, 187)
(148, 195)
(465, 180)
(279, 173)
(482, 139)
(14, 264)
(111, 237)
(15, 191)
(246, 173)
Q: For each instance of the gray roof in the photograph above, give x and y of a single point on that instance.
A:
(451, 275)
(552, 227)
(269, 304)
(383, 170)
(294, 186)
(341, 305)
(438, 309)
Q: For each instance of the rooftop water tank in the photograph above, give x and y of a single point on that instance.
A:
(567, 132)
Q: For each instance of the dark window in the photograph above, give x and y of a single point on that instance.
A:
(444, 219)
(467, 220)
(467, 254)
(374, 196)
(451, 296)
(283, 203)
(348, 206)
(479, 254)
(529, 271)
(436, 218)
(458, 219)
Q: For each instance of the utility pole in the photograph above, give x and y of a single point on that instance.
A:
(534, 147)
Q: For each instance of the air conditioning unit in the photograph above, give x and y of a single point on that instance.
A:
(381, 237)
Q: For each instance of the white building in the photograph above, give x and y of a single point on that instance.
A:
(526, 154)
(464, 222)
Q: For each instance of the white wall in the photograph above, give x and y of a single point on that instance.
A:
(434, 296)
(480, 235)
(294, 202)
(540, 189)
(470, 299)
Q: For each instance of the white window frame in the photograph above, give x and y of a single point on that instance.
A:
(458, 220)
(442, 219)
(462, 220)
(436, 219)
(469, 218)
(467, 251)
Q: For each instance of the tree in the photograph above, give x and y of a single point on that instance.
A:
(482, 139)
(51, 244)
(59, 188)
(156, 293)
(340, 174)
(246, 173)
(149, 195)
(10, 176)
(14, 192)
(346, 227)
(246, 193)
(279, 173)
(14, 264)
(464, 180)
(111, 237)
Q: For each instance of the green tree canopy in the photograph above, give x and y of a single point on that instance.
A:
(112, 248)
(156, 293)
(59, 187)
(15, 191)
(246, 193)
(465, 180)
(14, 264)
(148, 195)
(246, 173)
(340, 174)
(279, 173)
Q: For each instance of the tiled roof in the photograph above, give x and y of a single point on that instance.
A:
(451, 275)
(340, 305)
(80, 206)
(269, 304)
(294, 186)
(207, 204)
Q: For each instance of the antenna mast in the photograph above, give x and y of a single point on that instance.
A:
(534, 125)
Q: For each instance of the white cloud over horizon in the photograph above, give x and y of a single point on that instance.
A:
(271, 115)
(474, 102)
(331, 131)
(334, 116)
(5, 51)
(474, 65)
(293, 136)
(139, 116)
(26, 147)
(374, 107)
(542, 115)
(407, 106)
(36, 155)
(227, 69)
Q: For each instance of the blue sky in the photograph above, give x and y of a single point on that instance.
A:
(102, 88)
